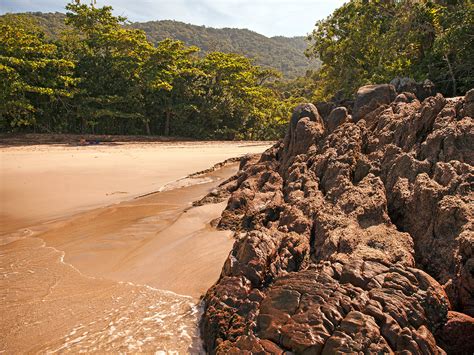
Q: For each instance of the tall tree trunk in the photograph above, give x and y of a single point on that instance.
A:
(167, 122)
(451, 73)
(147, 127)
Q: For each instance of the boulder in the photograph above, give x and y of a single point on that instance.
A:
(421, 90)
(337, 117)
(457, 336)
(370, 97)
(306, 126)
(469, 104)
(325, 108)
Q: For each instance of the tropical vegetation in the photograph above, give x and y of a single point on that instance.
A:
(101, 76)
(97, 73)
(366, 42)
(286, 54)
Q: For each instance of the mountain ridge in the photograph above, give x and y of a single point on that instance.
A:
(285, 54)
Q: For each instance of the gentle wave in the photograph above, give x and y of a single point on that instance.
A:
(48, 305)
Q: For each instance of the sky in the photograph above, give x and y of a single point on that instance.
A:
(268, 17)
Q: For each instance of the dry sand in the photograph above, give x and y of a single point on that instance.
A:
(84, 266)
(39, 183)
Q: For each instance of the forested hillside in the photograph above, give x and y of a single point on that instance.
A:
(281, 53)
(104, 76)
(52, 24)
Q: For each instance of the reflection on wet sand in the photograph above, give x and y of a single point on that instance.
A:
(47, 305)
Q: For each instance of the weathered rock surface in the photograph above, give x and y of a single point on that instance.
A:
(352, 235)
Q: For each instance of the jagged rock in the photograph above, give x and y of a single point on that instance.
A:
(457, 335)
(469, 104)
(305, 125)
(353, 236)
(325, 108)
(337, 117)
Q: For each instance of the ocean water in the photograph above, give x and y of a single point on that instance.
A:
(49, 306)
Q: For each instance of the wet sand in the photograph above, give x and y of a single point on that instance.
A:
(157, 240)
(47, 306)
(122, 277)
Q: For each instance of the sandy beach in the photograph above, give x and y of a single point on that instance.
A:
(156, 240)
(44, 182)
(87, 264)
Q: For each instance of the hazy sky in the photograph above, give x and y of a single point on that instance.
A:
(268, 17)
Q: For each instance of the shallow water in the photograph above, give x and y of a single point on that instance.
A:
(48, 305)
(68, 285)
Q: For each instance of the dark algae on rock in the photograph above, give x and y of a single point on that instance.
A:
(353, 234)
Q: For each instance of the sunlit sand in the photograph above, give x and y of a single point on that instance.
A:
(87, 264)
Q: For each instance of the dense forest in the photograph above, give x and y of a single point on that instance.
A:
(95, 73)
(100, 76)
(287, 55)
(366, 42)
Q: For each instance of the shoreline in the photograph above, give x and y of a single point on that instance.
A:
(74, 140)
(96, 280)
(148, 225)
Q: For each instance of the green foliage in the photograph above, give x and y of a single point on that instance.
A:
(33, 77)
(366, 42)
(101, 76)
(169, 75)
(234, 101)
(109, 61)
(451, 61)
(281, 53)
(52, 24)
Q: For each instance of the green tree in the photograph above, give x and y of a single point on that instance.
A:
(101, 76)
(365, 42)
(234, 102)
(34, 78)
(451, 62)
(109, 63)
(168, 78)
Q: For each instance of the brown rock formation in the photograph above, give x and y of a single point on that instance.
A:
(372, 97)
(353, 235)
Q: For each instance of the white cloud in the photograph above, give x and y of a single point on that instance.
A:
(269, 17)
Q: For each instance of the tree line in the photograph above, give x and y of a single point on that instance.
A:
(102, 77)
(286, 54)
(282, 53)
(373, 41)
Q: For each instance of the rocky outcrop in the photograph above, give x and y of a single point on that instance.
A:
(353, 234)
